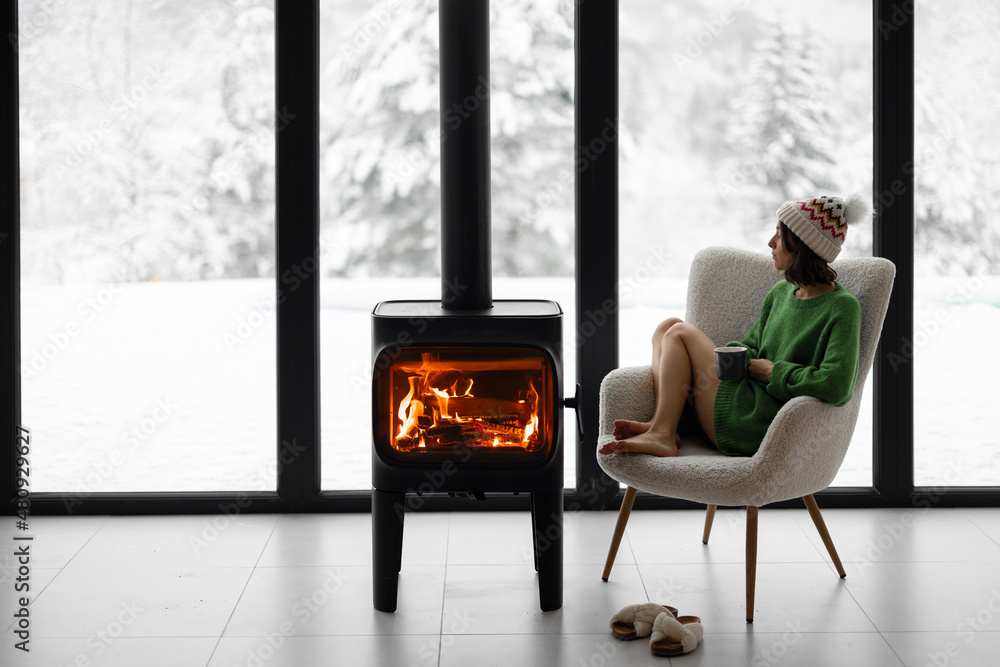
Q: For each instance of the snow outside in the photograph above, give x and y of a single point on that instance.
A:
(147, 208)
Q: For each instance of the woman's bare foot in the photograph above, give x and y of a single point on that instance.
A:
(657, 443)
(626, 428)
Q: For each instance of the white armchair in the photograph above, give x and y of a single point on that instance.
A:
(805, 444)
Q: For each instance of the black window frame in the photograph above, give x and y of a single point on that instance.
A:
(596, 203)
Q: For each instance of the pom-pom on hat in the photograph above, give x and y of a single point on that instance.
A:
(821, 222)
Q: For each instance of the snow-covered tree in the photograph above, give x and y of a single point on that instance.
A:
(147, 140)
(956, 139)
(783, 125)
(381, 158)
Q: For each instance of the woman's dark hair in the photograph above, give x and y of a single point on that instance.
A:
(805, 267)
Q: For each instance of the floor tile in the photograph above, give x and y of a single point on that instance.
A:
(987, 519)
(674, 536)
(923, 588)
(549, 650)
(16, 587)
(278, 650)
(793, 648)
(55, 539)
(316, 540)
(951, 649)
(503, 599)
(490, 538)
(505, 538)
(208, 540)
(138, 601)
(809, 595)
(111, 652)
(335, 600)
(588, 537)
(925, 596)
(914, 534)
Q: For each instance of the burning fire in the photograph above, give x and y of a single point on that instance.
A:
(440, 410)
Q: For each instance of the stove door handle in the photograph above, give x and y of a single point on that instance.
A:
(574, 403)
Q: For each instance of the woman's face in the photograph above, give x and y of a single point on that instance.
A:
(779, 253)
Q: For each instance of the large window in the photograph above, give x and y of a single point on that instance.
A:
(957, 245)
(147, 245)
(380, 188)
(728, 109)
(153, 285)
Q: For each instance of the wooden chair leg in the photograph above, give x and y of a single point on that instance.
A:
(823, 532)
(751, 559)
(709, 517)
(616, 539)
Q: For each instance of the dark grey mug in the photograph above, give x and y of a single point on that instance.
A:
(731, 363)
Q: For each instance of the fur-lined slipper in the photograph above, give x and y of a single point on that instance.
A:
(636, 620)
(675, 635)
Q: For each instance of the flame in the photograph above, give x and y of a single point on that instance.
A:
(440, 410)
(442, 402)
(409, 410)
(532, 426)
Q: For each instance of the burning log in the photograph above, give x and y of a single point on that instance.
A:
(470, 407)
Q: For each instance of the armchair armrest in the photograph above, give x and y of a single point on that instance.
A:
(626, 393)
(804, 447)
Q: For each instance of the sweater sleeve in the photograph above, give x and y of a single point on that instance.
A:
(833, 381)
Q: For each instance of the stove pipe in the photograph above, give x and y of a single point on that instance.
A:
(466, 271)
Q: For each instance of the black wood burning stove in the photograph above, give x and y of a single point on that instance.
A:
(466, 392)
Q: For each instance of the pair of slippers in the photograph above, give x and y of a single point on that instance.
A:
(669, 634)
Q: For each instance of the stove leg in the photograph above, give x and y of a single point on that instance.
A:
(387, 546)
(534, 541)
(547, 520)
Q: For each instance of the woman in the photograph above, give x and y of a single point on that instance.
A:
(805, 343)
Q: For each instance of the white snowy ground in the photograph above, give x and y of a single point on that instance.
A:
(171, 386)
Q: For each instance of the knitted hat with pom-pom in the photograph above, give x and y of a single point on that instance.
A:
(821, 222)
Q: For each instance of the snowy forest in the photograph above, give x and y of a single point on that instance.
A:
(147, 133)
(147, 137)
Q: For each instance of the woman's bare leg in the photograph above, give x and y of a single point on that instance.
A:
(625, 428)
(686, 358)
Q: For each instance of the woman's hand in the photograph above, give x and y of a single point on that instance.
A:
(760, 370)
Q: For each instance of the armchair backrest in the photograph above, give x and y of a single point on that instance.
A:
(727, 287)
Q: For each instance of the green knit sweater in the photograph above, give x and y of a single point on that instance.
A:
(814, 344)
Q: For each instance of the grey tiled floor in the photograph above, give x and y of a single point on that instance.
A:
(923, 588)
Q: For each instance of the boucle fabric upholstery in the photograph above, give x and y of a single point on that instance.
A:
(805, 444)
